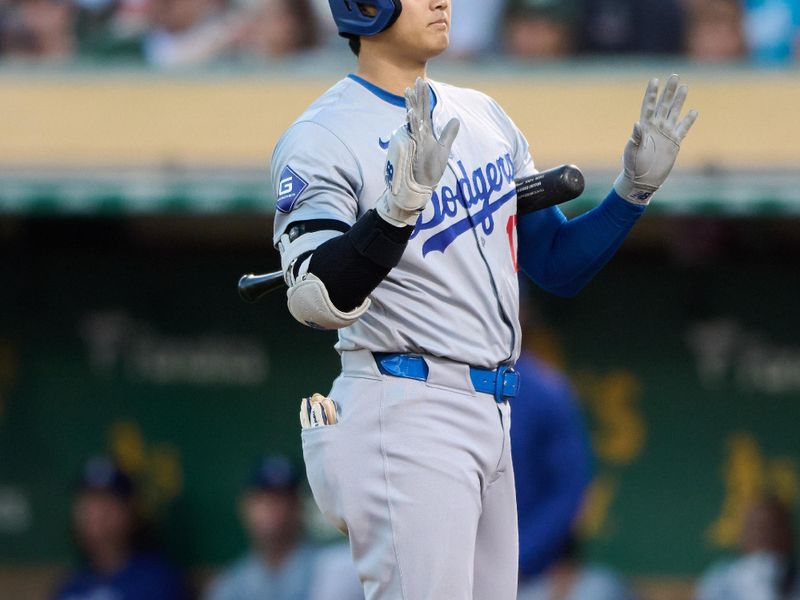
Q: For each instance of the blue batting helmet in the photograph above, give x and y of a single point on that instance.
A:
(352, 20)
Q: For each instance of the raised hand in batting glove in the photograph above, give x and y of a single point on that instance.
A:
(416, 160)
(656, 140)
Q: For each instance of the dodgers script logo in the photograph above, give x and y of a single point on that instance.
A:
(480, 188)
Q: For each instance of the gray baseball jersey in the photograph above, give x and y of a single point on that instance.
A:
(455, 293)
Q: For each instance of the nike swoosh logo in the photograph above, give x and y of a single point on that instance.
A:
(382, 144)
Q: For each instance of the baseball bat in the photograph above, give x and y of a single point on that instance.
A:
(549, 188)
(543, 190)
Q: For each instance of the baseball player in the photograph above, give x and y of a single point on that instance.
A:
(397, 225)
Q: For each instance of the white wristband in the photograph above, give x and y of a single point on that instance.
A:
(635, 194)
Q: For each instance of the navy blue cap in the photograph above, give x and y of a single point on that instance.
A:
(272, 473)
(101, 474)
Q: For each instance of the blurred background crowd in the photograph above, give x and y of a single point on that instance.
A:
(183, 33)
(120, 557)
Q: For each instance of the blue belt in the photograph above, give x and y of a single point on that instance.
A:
(502, 382)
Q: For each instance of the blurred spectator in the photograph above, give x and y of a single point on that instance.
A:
(714, 31)
(111, 29)
(474, 27)
(111, 539)
(542, 29)
(767, 568)
(190, 32)
(278, 28)
(550, 449)
(328, 33)
(281, 564)
(633, 26)
(772, 28)
(41, 30)
(568, 579)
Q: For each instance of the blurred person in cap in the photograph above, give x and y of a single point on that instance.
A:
(549, 447)
(715, 31)
(281, 563)
(38, 30)
(767, 567)
(117, 563)
(542, 29)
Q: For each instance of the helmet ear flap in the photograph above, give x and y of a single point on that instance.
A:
(364, 18)
(398, 8)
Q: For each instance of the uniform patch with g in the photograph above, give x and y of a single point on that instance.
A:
(290, 187)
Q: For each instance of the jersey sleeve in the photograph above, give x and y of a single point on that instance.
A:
(523, 161)
(314, 175)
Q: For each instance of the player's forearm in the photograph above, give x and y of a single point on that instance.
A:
(352, 265)
(562, 255)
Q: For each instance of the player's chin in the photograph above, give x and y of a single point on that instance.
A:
(438, 43)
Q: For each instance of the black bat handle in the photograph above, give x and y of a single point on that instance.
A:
(254, 287)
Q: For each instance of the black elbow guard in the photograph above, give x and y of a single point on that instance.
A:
(354, 264)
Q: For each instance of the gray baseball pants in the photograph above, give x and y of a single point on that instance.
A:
(419, 475)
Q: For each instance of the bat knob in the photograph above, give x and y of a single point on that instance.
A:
(245, 290)
(254, 287)
(572, 178)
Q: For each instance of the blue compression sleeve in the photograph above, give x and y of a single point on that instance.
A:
(561, 256)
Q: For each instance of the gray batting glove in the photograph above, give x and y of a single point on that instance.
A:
(656, 140)
(416, 160)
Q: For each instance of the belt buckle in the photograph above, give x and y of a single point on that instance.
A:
(506, 384)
